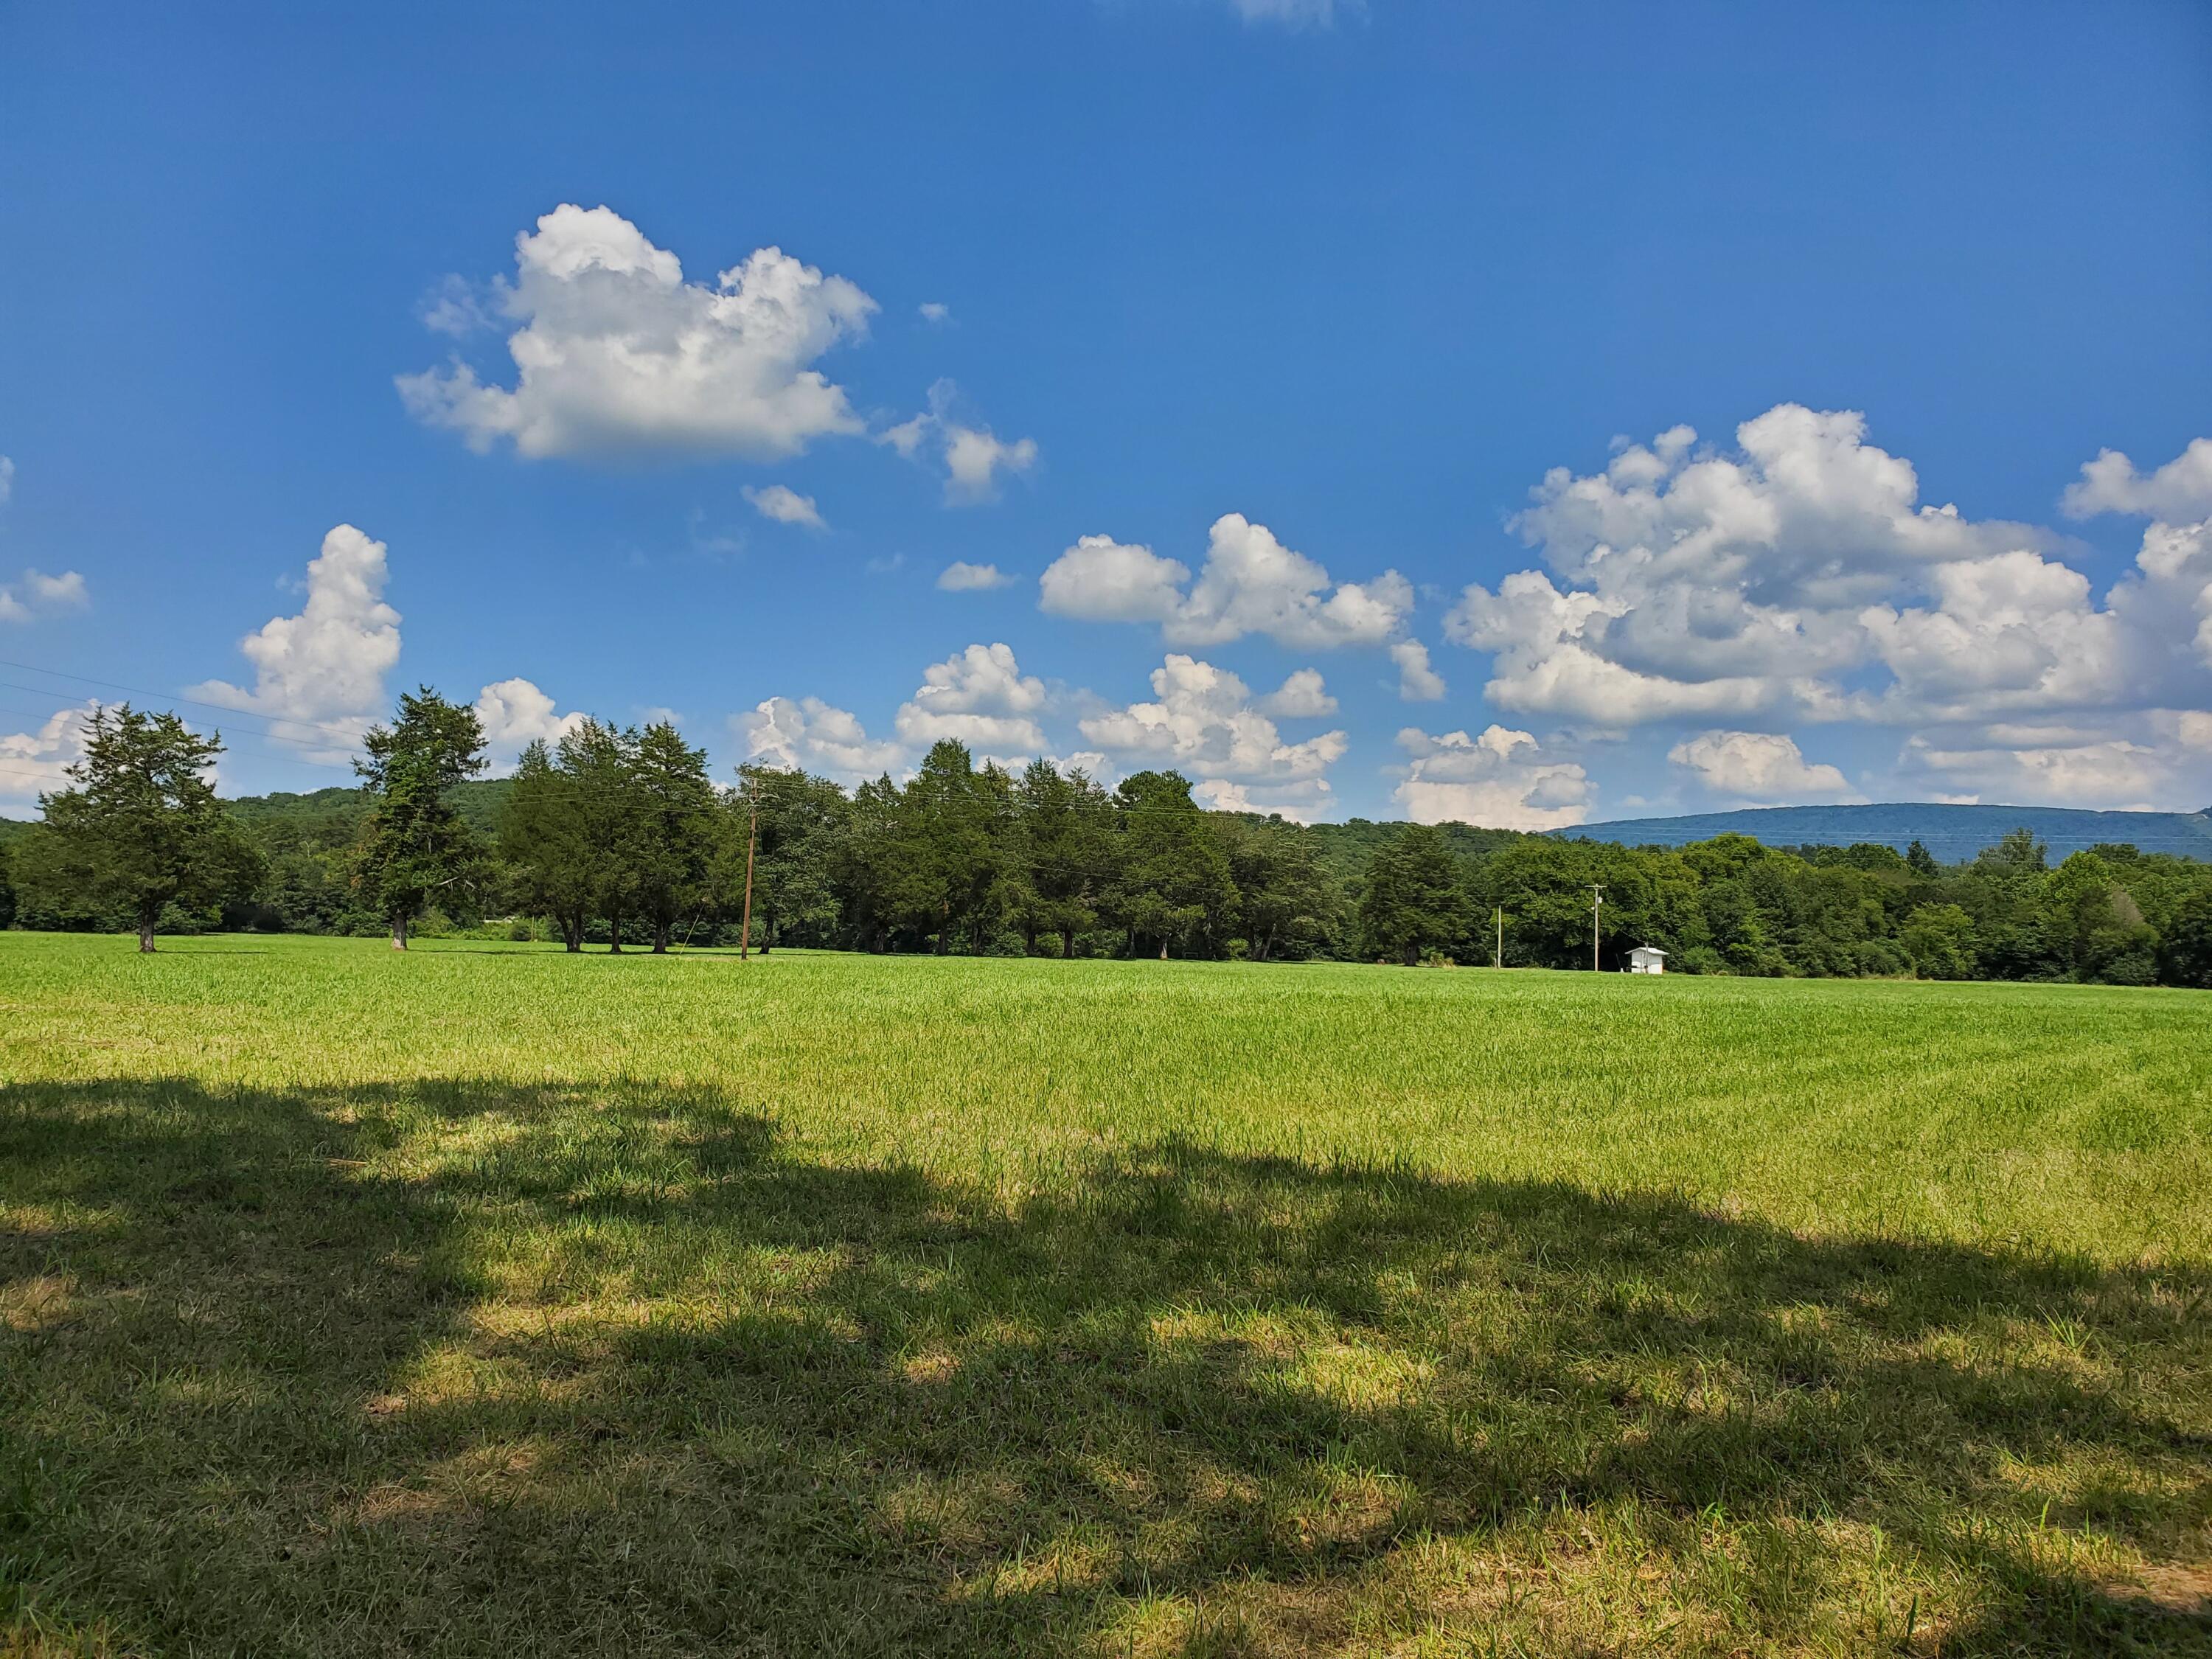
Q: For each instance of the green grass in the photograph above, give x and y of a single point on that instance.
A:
(486, 1300)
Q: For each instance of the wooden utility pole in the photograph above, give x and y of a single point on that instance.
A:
(1501, 936)
(745, 927)
(1597, 898)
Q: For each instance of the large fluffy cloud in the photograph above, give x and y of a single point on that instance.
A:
(1500, 779)
(1203, 721)
(1250, 583)
(1799, 578)
(615, 351)
(515, 714)
(1758, 766)
(978, 697)
(808, 733)
(320, 675)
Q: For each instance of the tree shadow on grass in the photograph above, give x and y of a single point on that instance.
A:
(465, 1366)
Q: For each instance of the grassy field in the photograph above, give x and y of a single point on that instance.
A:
(486, 1300)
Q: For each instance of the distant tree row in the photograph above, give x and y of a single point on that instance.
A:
(620, 836)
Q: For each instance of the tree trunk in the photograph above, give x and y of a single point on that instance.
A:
(572, 933)
(1163, 950)
(614, 935)
(660, 938)
(1066, 943)
(146, 935)
(399, 933)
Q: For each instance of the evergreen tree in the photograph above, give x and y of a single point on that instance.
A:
(1415, 901)
(541, 835)
(597, 759)
(140, 828)
(414, 845)
(1284, 897)
(1066, 848)
(1922, 862)
(941, 866)
(674, 812)
(1171, 887)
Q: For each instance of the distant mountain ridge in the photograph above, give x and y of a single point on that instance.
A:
(1952, 833)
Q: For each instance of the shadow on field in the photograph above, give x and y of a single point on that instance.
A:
(470, 1367)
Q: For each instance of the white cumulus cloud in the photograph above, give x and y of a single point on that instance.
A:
(1798, 579)
(1758, 766)
(321, 673)
(615, 352)
(961, 577)
(1203, 722)
(32, 763)
(1250, 583)
(515, 714)
(1498, 780)
(784, 505)
(2179, 490)
(973, 456)
(1304, 800)
(1304, 695)
(2085, 769)
(1417, 681)
(978, 697)
(813, 736)
(37, 594)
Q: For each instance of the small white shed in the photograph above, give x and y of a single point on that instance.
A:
(1647, 959)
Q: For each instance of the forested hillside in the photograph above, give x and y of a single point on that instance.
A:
(1953, 832)
(620, 837)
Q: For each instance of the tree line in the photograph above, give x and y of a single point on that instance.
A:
(620, 836)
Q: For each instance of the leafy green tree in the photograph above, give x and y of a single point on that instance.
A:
(798, 821)
(541, 837)
(1922, 862)
(1415, 902)
(2187, 941)
(2017, 853)
(2099, 923)
(1940, 938)
(1171, 887)
(675, 817)
(1285, 898)
(6, 888)
(415, 846)
(140, 828)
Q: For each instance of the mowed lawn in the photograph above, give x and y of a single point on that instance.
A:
(489, 1300)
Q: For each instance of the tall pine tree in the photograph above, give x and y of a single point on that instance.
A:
(414, 845)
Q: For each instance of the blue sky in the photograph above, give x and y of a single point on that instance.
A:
(1295, 307)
